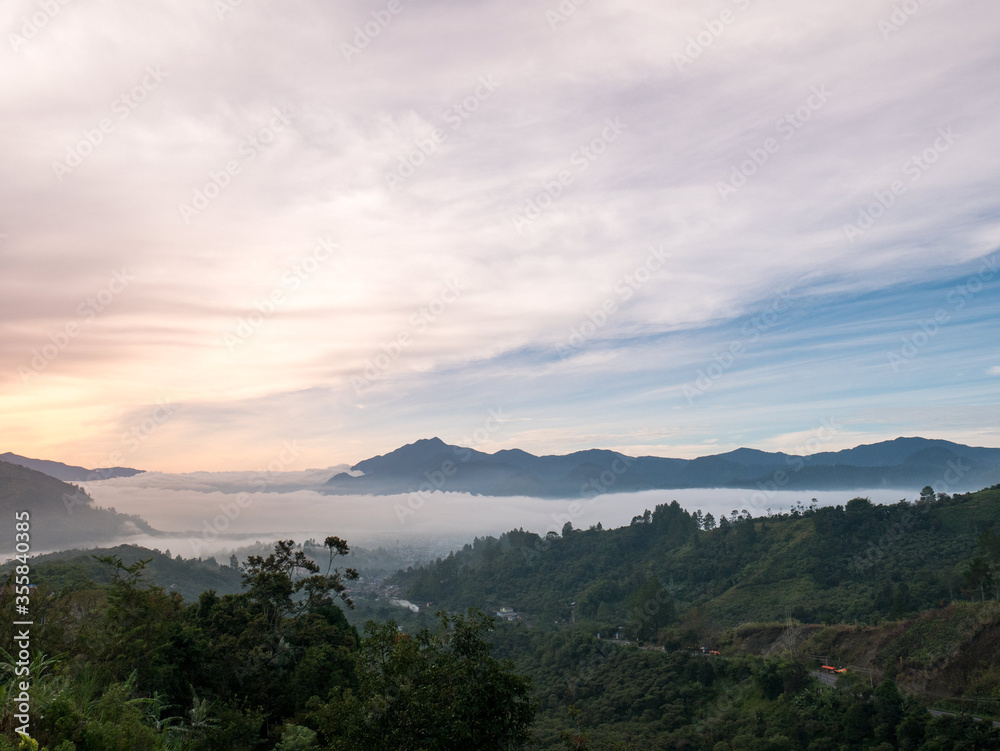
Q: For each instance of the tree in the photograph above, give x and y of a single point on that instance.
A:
(297, 738)
(858, 506)
(274, 581)
(900, 601)
(650, 608)
(440, 691)
(989, 545)
(888, 709)
(272, 647)
(979, 574)
(139, 626)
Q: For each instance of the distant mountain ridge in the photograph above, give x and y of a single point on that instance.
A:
(431, 464)
(68, 472)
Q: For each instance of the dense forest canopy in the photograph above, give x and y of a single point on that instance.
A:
(858, 562)
(635, 638)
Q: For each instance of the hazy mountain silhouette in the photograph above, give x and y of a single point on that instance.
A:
(60, 513)
(67, 472)
(906, 463)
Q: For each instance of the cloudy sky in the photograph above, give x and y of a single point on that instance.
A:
(241, 233)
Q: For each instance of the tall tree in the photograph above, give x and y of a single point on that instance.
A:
(442, 691)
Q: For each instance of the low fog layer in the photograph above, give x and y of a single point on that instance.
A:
(228, 482)
(201, 523)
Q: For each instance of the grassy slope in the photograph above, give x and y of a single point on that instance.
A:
(952, 651)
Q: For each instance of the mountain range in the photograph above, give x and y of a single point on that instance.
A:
(431, 464)
(905, 463)
(68, 472)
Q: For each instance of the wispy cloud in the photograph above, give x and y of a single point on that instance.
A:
(257, 119)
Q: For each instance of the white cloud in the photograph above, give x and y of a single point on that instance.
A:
(371, 520)
(350, 123)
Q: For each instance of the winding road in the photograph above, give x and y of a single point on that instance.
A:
(831, 680)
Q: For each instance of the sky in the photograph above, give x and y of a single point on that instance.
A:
(238, 234)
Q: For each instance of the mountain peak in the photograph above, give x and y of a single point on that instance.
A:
(435, 441)
(407, 458)
(902, 463)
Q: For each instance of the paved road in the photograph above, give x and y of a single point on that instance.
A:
(941, 713)
(831, 680)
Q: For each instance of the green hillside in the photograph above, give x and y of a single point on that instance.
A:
(603, 695)
(63, 515)
(947, 654)
(80, 569)
(130, 667)
(853, 563)
(903, 595)
(676, 632)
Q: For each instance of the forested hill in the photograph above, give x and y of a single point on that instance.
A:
(277, 666)
(82, 569)
(62, 514)
(849, 563)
